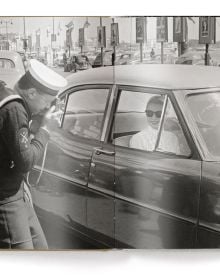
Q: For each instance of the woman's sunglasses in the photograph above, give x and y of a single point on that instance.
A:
(150, 113)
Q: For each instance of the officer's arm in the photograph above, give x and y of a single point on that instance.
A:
(25, 152)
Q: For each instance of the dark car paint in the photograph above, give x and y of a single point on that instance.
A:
(209, 217)
(129, 198)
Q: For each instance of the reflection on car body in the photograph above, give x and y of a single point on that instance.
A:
(99, 187)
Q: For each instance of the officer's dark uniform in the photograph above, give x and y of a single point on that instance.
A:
(19, 226)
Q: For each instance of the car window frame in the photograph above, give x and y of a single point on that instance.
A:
(181, 96)
(169, 96)
(205, 154)
(65, 94)
(181, 124)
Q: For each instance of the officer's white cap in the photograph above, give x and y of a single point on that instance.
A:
(43, 78)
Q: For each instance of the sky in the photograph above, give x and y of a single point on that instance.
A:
(126, 27)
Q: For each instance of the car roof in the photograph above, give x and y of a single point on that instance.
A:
(163, 76)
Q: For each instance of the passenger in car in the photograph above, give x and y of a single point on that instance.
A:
(146, 139)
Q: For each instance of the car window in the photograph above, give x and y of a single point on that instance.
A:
(205, 109)
(6, 63)
(130, 121)
(85, 112)
(137, 123)
(172, 138)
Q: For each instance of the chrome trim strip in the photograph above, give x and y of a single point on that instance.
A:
(102, 190)
(144, 205)
(108, 113)
(155, 208)
(61, 176)
(161, 123)
(209, 227)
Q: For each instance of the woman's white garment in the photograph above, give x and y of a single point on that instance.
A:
(146, 139)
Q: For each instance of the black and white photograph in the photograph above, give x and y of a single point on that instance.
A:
(108, 141)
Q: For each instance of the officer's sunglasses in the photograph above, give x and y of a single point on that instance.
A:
(150, 113)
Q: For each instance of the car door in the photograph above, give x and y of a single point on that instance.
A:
(60, 195)
(100, 193)
(156, 191)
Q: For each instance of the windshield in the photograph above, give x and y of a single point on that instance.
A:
(205, 109)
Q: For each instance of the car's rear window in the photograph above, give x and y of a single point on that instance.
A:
(205, 109)
(6, 63)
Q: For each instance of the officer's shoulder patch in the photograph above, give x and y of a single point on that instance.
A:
(23, 138)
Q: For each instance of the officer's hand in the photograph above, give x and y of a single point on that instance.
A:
(52, 119)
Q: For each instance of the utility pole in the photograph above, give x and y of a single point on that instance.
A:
(52, 40)
(114, 49)
(24, 39)
(207, 54)
(24, 27)
(101, 46)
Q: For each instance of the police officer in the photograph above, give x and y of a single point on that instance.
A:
(19, 226)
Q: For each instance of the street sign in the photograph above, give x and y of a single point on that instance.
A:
(179, 29)
(101, 36)
(207, 30)
(69, 42)
(81, 37)
(70, 25)
(162, 29)
(114, 34)
(140, 29)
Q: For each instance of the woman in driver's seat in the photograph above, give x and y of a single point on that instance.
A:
(146, 139)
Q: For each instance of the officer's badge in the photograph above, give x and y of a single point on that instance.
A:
(23, 138)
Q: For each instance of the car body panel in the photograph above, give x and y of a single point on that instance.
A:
(209, 220)
(171, 76)
(100, 199)
(158, 190)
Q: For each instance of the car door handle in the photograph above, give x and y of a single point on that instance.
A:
(99, 151)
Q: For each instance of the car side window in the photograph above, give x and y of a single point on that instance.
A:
(172, 138)
(85, 111)
(131, 122)
(138, 124)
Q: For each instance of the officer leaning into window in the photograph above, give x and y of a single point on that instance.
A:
(19, 226)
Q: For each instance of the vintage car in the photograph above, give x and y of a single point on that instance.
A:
(125, 58)
(11, 67)
(77, 63)
(107, 59)
(94, 185)
(197, 57)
